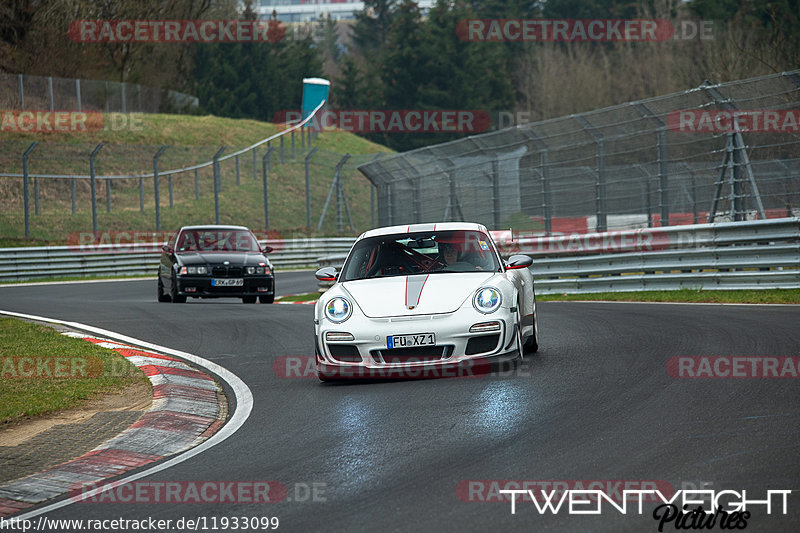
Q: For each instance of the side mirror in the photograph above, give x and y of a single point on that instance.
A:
(518, 261)
(267, 249)
(167, 249)
(327, 274)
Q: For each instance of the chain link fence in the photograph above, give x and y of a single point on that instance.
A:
(25, 92)
(288, 184)
(677, 159)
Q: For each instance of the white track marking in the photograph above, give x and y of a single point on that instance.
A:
(244, 405)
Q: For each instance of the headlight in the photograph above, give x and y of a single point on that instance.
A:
(194, 270)
(261, 269)
(487, 300)
(338, 309)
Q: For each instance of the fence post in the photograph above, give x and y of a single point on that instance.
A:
(25, 187)
(169, 183)
(340, 187)
(662, 176)
(78, 92)
(21, 92)
(546, 198)
(334, 186)
(266, 190)
(73, 196)
(155, 186)
(308, 189)
(282, 158)
(371, 187)
(124, 103)
(255, 165)
(269, 157)
(94, 184)
(217, 183)
(293, 152)
(238, 179)
(496, 193)
(141, 195)
(50, 91)
(108, 195)
(36, 196)
(196, 185)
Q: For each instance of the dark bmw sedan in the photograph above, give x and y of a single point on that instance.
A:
(213, 262)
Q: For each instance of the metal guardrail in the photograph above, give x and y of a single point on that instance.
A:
(37, 263)
(731, 255)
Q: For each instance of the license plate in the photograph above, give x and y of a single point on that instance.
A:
(233, 282)
(410, 341)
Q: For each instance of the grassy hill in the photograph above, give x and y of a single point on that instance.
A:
(191, 140)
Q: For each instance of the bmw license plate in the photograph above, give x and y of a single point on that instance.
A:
(410, 341)
(232, 282)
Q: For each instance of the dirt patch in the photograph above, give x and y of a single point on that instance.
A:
(136, 397)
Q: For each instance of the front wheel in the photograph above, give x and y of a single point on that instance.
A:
(161, 296)
(267, 299)
(532, 343)
(249, 299)
(176, 298)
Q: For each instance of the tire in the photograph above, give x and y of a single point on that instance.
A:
(518, 331)
(249, 299)
(161, 296)
(267, 299)
(532, 344)
(176, 298)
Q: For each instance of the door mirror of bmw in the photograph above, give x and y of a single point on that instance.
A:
(267, 249)
(327, 274)
(167, 249)
(518, 261)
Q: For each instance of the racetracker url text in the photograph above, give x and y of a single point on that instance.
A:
(199, 523)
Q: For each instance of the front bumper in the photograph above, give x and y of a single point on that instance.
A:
(456, 353)
(200, 286)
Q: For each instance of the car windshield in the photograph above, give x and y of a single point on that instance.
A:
(215, 240)
(421, 253)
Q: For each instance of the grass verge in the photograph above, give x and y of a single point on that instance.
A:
(191, 140)
(307, 297)
(43, 371)
(81, 278)
(765, 296)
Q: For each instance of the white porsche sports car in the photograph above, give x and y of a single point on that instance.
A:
(424, 300)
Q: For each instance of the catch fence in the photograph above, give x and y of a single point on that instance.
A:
(727, 152)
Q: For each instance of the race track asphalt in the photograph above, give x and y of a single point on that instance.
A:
(595, 403)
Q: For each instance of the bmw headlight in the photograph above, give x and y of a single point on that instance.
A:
(338, 309)
(487, 300)
(194, 270)
(261, 269)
